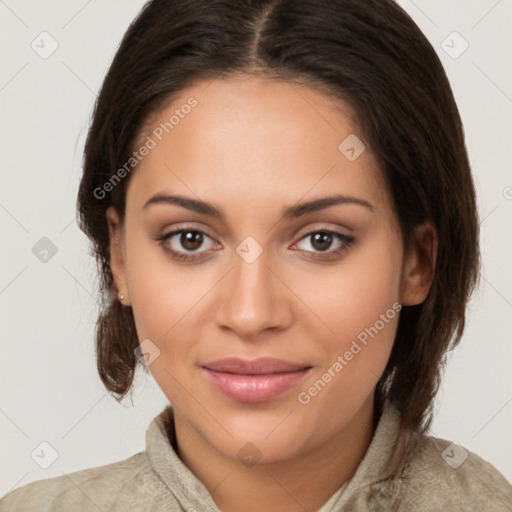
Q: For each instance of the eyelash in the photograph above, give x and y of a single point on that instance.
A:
(346, 240)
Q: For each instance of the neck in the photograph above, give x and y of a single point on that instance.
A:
(305, 482)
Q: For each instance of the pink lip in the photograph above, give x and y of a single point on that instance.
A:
(253, 381)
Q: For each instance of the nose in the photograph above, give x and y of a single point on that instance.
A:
(253, 299)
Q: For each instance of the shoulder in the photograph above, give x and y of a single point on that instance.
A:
(442, 473)
(110, 487)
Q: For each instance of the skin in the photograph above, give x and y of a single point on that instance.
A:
(252, 147)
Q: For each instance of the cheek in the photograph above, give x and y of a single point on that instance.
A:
(354, 360)
(160, 294)
(351, 296)
(164, 300)
(358, 302)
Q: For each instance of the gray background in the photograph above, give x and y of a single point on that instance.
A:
(50, 391)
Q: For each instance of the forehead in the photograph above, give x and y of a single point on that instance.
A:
(264, 140)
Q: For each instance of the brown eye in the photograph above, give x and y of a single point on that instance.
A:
(191, 240)
(322, 244)
(187, 244)
(321, 241)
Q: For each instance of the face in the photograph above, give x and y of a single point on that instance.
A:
(269, 321)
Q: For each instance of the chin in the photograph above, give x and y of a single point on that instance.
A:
(273, 435)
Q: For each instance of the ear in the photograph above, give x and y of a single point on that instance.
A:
(419, 265)
(117, 253)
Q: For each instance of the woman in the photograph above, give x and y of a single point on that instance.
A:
(281, 205)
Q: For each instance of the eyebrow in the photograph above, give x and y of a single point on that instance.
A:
(290, 212)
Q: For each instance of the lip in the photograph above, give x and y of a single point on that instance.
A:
(256, 380)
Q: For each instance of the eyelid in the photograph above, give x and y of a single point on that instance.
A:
(323, 227)
(187, 226)
(345, 240)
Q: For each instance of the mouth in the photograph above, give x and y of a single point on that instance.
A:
(253, 381)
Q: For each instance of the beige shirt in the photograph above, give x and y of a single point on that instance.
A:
(437, 477)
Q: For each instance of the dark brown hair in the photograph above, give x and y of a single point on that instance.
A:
(368, 53)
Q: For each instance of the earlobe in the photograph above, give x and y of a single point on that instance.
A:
(117, 263)
(419, 265)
